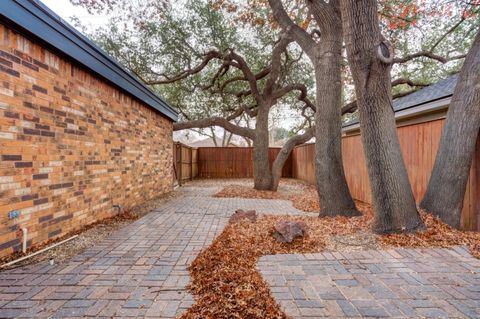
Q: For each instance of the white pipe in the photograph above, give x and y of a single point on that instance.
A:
(37, 252)
(25, 235)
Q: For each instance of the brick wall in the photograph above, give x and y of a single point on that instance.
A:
(71, 145)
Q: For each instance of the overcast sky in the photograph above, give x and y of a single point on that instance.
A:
(65, 10)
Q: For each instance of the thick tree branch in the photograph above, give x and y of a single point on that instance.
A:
(247, 72)
(295, 87)
(279, 48)
(216, 121)
(408, 82)
(186, 73)
(299, 139)
(260, 75)
(301, 36)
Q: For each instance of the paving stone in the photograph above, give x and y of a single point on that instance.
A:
(142, 271)
(139, 271)
(348, 308)
(400, 283)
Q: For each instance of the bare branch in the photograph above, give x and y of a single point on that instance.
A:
(186, 73)
(429, 55)
(220, 72)
(260, 75)
(447, 33)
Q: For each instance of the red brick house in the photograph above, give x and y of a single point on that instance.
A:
(79, 135)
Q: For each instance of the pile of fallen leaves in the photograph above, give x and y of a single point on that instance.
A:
(242, 191)
(224, 278)
(437, 234)
(307, 200)
(304, 198)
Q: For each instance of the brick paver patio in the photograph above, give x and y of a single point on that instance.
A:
(140, 271)
(400, 283)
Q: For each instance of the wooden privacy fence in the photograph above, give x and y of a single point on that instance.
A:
(185, 162)
(303, 158)
(419, 143)
(233, 162)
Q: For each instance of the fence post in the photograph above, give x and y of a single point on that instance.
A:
(191, 163)
(180, 166)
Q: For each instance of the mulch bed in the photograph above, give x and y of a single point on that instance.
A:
(88, 235)
(226, 283)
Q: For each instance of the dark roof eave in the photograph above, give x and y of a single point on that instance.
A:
(40, 21)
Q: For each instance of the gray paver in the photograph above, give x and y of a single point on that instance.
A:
(139, 271)
(406, 283)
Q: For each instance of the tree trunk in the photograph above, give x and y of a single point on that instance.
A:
(277, 167)
(446, 188)
(334, 196)
(370, 57)
(285, 152)
(262, 177)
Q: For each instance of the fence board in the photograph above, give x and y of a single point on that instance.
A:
(233, 162)
(303, 167)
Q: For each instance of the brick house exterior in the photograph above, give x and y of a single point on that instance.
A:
(72, 143)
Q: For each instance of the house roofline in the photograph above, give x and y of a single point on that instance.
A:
(416, 110)
(38, 20)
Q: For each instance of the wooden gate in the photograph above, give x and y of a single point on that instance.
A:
(185, 163)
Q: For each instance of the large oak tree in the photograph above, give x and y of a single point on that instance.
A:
(370, 57)
(324, 48)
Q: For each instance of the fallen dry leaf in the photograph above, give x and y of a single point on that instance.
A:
(437, 234)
